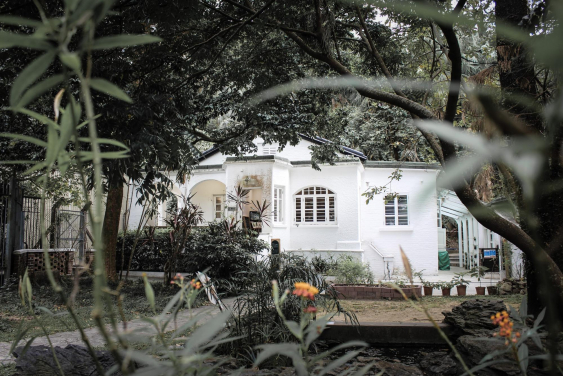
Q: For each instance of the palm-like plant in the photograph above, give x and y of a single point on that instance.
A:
(182, 222)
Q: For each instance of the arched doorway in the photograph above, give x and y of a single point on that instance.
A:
(210, 196)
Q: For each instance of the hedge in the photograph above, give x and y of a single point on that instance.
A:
(225, 256)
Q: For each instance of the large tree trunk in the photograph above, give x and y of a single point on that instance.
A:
(517, 78)
(110, 227)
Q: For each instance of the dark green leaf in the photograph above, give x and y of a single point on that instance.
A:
(39, 89)
(20, 21)
(9, 40)
(22, 137)
(108, 88)
(71, 60)
(29, 75)
(115, 41)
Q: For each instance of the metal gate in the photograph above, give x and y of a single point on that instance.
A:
(70, 230)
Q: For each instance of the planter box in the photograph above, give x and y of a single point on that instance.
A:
(376, 292)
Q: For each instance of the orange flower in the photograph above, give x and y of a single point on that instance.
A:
(305, 290)
(502, 319)
(195, 285)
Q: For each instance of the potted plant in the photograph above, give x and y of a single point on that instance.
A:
(446, 287)
(478, 272)
(460, 283)
(493, 289)
(427, 286)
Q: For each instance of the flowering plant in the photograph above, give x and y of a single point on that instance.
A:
(514, 339)
(305, 333)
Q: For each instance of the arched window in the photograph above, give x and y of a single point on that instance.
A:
(315, 205)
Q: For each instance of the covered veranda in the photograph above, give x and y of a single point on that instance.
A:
(472, 236)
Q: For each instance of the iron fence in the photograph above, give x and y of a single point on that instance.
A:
(21, 220)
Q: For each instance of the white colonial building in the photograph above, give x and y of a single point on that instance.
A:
(324, 212)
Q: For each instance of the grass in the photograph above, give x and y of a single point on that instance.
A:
(12, 312)
(7, 370)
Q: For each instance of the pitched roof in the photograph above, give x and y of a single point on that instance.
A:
(316, 140)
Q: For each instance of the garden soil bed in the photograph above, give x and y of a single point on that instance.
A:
(403, 311)
(374, 292)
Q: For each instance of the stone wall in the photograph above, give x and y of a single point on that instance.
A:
(510, 286)
(62, 261)
(34, 260)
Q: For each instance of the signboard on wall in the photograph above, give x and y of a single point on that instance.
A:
(489, 257)
(276, 245)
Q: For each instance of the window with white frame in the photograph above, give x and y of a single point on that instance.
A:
(396, 211)
(269, 149)
(219, 207)
(278, 204)
(315, 205)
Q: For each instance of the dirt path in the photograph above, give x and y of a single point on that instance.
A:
(402, 311)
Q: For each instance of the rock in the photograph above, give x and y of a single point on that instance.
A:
(439, 363)
(74, 360)
(506, 287)
(474, 316)
(397, 369)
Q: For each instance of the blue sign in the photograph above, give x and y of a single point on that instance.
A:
(489, 253)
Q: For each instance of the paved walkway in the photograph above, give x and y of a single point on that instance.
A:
(62, 339)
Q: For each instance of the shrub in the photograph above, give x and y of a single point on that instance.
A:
(254, 314)
(323, 265)
(224, 255)
(351, 271)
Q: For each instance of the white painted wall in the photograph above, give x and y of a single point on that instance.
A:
(343, 180)
(357, 225)
(419, 239)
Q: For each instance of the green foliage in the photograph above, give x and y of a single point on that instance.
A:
(226, 256)
(255, 318)
(458, 279)
(350, 270)
(323, 265)
(304, 331)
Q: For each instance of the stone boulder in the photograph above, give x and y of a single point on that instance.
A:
(74, 360)
(474, 316)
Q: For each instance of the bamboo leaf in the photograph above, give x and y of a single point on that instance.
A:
(20, 21)
(108, 141)
(71, 60)
(9, 40)
(206, 332)
(523, 357)
(115, 41)
(108, 88)
(291, 350)
(41, 118)
(29, 75)
(39, 89)
(339, 362)
(23, 137)
(149, 292)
